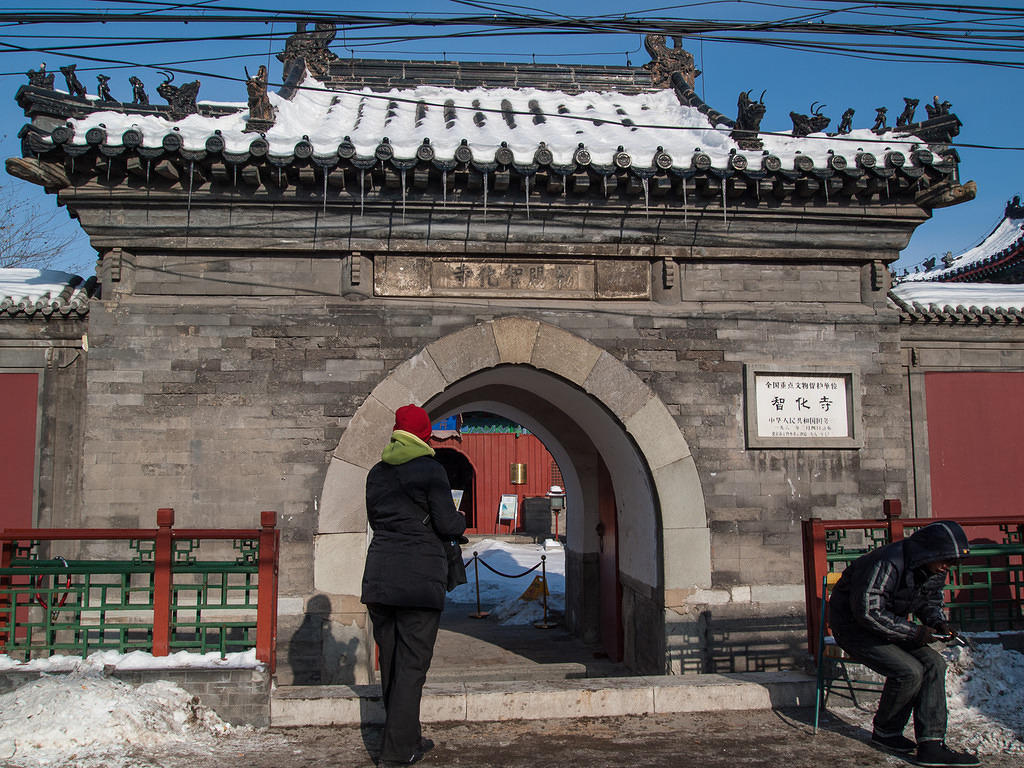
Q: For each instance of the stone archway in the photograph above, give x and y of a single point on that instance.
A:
(665, 547)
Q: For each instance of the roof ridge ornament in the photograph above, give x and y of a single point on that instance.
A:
(666, 61)
(748, 120)
(180, 98)
(261, 111)
(306, 51)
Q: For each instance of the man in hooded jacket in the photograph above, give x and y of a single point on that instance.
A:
(410, 509)
(868, 615)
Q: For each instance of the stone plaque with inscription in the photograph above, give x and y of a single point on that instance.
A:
(510, 278)
(801, 408)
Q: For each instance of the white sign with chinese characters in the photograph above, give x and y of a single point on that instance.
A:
(801, 405)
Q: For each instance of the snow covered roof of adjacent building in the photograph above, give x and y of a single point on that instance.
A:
(44, 292)
(968, 303)
(999, 258)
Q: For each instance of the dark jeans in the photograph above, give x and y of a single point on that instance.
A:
(405, 637)
(915, 682)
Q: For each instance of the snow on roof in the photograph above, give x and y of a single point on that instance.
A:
(521, 117)
(938, 296)
(46, 290)
(1009, 233)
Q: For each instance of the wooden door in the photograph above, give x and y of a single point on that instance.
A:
(608, 564)
(19, 395)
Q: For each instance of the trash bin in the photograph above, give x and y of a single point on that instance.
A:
(537, 517)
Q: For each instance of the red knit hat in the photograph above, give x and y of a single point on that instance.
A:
(413, 419)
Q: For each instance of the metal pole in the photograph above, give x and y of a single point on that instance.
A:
(476, 572)
(545, 623)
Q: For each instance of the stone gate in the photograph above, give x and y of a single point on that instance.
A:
(690, 313)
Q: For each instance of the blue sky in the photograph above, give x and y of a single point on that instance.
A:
(987, 99)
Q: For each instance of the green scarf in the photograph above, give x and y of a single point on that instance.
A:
(404, 446)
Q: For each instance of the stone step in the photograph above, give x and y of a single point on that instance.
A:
(514, 671)
(293, 706)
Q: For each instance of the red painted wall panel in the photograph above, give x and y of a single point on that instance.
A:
(975, 424)
(18, 393)
(491, 455)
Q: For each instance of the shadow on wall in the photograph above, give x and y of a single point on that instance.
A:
(316, 654)
(723, 643)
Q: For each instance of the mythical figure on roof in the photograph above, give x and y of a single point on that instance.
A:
(937, 108)
(666, 61)
(846, 122)
(907, 115)
(103, 87)
(181, 98)
(261, 111)
(139, 95)
(880, 126)
(41, 78)
(75, 87)
(805, 125)
(308, 51)
(748, 121)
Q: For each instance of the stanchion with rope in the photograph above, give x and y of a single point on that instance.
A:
(476, 573)
(544, 586)
(544, 623)
(50, 603)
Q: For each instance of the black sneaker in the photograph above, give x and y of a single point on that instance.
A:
(897, 743)
(935, 754)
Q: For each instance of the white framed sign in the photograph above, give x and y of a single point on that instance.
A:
(802, 407)
(508, 508)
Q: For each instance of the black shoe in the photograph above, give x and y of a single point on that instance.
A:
(935, 754)
(425, 746)
(898, 743)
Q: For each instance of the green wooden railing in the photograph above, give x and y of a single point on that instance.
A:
(985, 592)
(162, 591)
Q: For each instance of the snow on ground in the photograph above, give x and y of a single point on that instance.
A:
(985, 696)
(88, 720)
(501, 596)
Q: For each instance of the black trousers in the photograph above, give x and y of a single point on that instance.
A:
(915, 683)
(405, 637)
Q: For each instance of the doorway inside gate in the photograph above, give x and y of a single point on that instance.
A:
(608, 501)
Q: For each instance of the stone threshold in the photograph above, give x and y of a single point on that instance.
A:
(294, 706)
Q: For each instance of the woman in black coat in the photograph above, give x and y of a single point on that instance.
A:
(410, 509)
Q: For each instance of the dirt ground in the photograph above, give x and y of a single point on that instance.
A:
(706, 740)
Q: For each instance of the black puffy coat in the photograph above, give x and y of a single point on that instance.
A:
(879, 590)
(410, 509)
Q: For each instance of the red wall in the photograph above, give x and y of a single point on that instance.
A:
(18, 393)
(491, 456)
(975, 428)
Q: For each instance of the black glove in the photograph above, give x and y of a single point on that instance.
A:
(926, 635)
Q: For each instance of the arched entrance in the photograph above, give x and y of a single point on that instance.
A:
(589, 410)
(461, 474)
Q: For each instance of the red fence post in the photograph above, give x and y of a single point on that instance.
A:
(6, 604)
(892, 509)
(266, 600)
(162, 580)
(815, 566)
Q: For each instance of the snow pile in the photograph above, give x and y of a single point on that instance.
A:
(985, 691)
(135, 661)
(985, 697)
(500, 595)
(92, 720)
